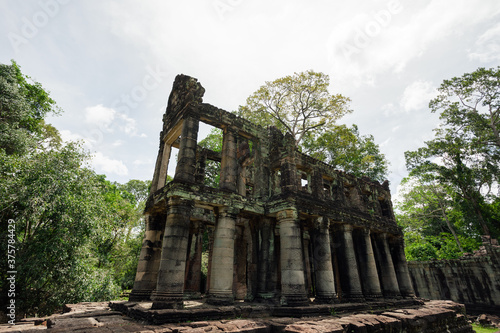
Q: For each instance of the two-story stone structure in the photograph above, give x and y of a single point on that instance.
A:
(281, 225)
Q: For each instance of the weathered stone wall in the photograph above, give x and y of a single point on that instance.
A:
(473, 280)
(282, 226)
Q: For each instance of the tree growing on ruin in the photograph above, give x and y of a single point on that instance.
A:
(297, 104)
(346, 149)
(301, 105)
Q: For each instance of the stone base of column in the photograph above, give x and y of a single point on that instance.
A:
(192, 295)
(265, 297)
(373, 297)
(140, 295)
(220, 298)
(353, 298)
(392, 295)
(294, 300)
(407, 295)
(326, 299)
(167, 301)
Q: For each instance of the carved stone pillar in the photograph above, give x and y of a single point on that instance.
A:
(306, 251)
(210, 232)
(368, 266)
(265, 242)
(229, 163)
(325, 283)
(186, 164)
(293, 291)
(149, 260)
(170, 284)
(387, 274)
(192, 281)
(162, 176)
(222, 268)
(401, 267)
(351, 283)
(156, 174)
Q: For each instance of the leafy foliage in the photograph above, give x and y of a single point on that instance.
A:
(77, 235)
(454, 177)
(302, 106)
(344, 148)
(212, 141)
(23, 106)
(296, 104)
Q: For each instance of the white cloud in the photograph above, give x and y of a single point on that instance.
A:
(417, 96)
(118, 143)
(67, 136)
(363, 46)
(143, 162)
(99, 115)
(128, 125)
(389, 109)
(487, 46)
(108, 165)
(108, 119)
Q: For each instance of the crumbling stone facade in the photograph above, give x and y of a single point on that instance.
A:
(473, 280)
(282, 226)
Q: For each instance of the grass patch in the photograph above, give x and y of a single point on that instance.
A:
(481, 329)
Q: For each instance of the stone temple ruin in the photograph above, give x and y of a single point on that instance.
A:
(282, 226)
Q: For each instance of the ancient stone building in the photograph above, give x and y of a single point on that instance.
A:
(281, 226)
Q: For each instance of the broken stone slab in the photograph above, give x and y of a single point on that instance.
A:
(71, 324)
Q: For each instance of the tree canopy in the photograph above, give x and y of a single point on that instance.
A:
(77, 236)
(346, 149)
(301, 105)
(297, 104)
(23, 106)
(455, 176)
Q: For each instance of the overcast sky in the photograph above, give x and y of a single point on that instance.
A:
(110, 65)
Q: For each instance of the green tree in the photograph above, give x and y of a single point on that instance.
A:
(470, 104)
(73, 229)
(455, 174)
(213, 141)
(344, 148)
(296, 104)
(58, 211)
(301, 105)
(23, 106)
(427, 208)
(451, 159)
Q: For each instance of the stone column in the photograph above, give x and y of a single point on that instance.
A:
(149, 260)
(325, 283)
(162, 176)
(293, 292)
(265, 239)
(401, 267)
(170, 284)
(210, 231)
(193, 266)
(186, 163)
(388, 279)
(306, 250)
(368, 266)
(229, 163)
(351, 283)
(222, 268)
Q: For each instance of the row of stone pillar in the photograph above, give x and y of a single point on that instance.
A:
(369, 270)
